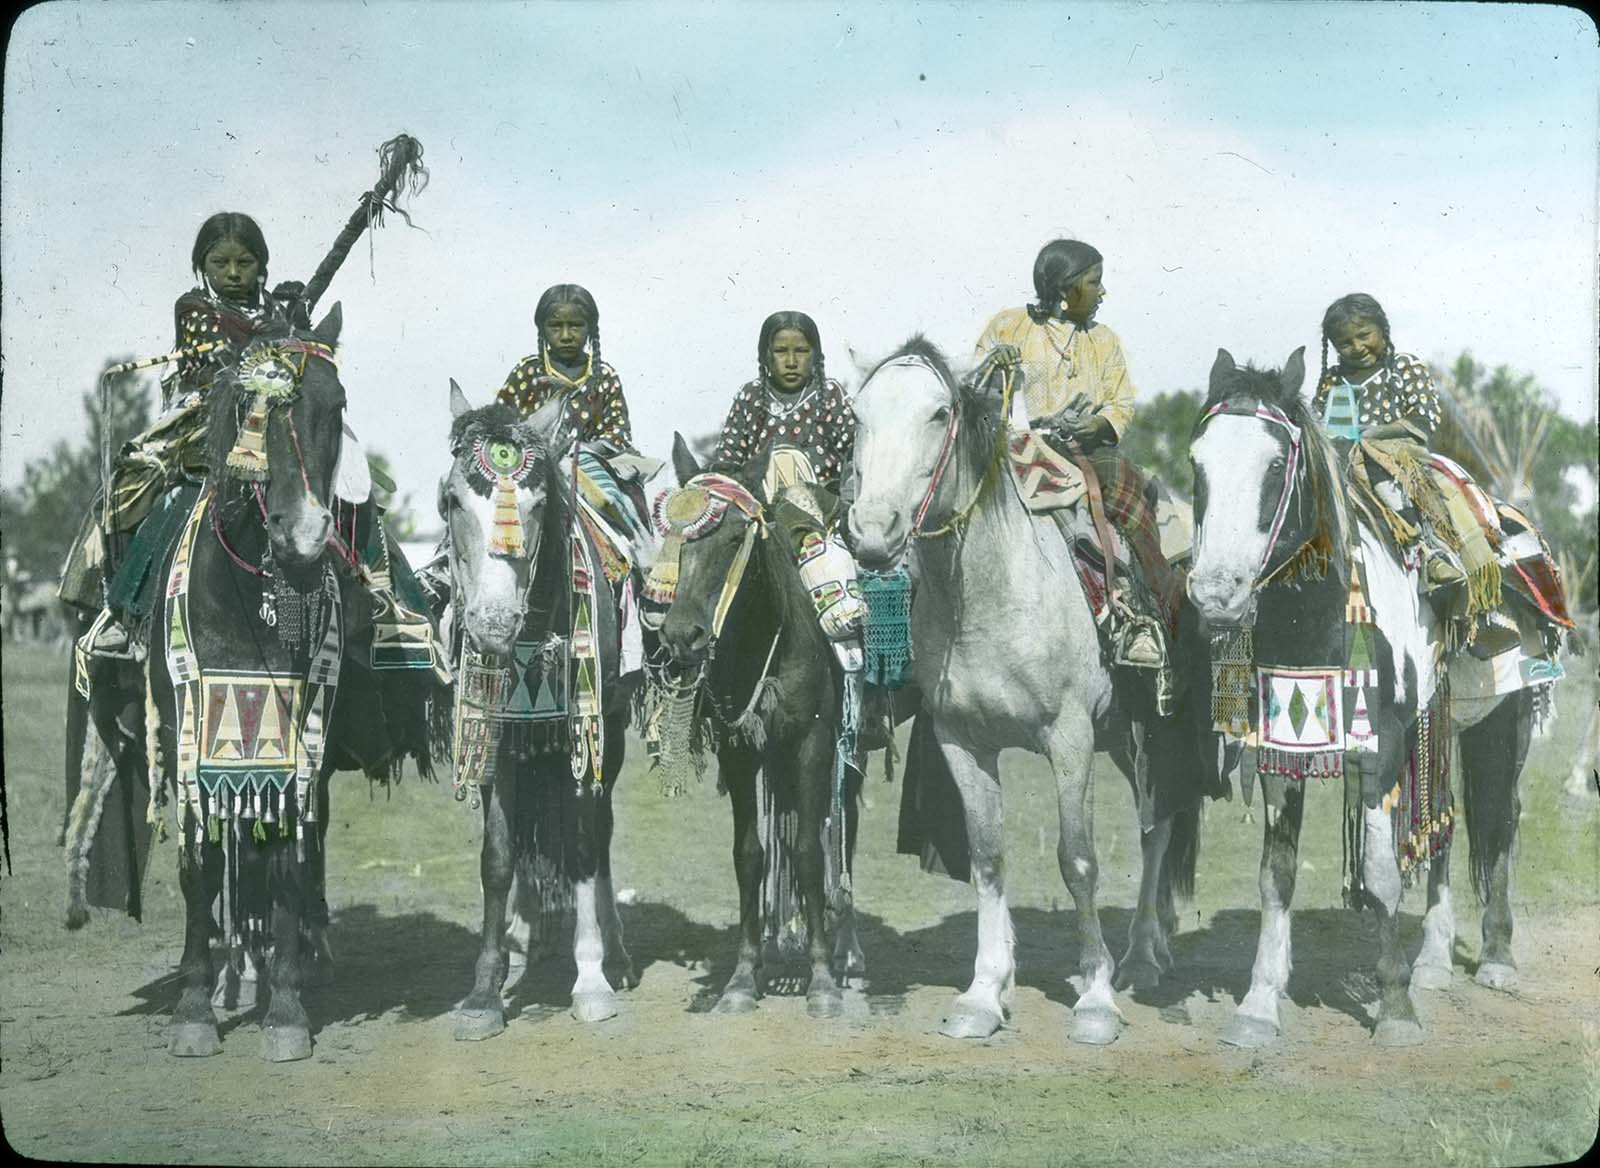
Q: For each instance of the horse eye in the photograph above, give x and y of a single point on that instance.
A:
(942, 414)
(1277, 464)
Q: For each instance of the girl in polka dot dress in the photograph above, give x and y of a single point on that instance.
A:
(792, 402)
(1385, 403)
(568, 364)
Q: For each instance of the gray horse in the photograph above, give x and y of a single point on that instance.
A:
(1006, 654)
(536, 830)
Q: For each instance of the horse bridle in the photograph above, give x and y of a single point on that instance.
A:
(1292, 472)
(947, 450)
(720, 492)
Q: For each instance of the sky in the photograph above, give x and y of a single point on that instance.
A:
(888, 168)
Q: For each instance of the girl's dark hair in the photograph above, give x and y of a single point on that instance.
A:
(577, 295)
(1356, 306)
(801, 323)
(1059, 263)
(234, 226)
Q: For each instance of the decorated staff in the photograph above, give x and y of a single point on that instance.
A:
(400, 172)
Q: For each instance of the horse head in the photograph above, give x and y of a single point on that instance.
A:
(712, 524)
(503, 490)
(1262, 486)
(279, 424)
(914, 422)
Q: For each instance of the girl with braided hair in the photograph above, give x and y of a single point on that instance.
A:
(214, 322)
(1383, 407)
(791, 403)
(568, 363)
(1076, 389)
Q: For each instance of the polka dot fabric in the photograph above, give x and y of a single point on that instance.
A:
(199, 319)
(1403, 389)
(824, 426)
(596, 404)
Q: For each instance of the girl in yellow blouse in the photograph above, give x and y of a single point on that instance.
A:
(1076, 387)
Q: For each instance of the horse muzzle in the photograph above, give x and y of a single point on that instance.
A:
(878, 536)
(492, 628)
(685, 638)
(1222, 596)
(299, 535)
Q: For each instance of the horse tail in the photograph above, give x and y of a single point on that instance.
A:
(83, 822)
(1492, 754)
(1183, 851)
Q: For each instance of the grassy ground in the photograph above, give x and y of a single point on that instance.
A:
(1504, 1078)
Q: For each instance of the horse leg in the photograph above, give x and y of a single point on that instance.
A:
(1492, 756)
(1147, 955)
(1432, 968)
(1397, 1023)
(616, 952)
(1096, 1018)
(980, 1011)
(285, 1028)
(482, 1012)
(1255, 1022)
(849, 960)
(738, 774)
(593, 999)
(810, 777)
(193, 1031)
(317, 953)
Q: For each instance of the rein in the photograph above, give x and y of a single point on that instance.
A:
(963, 514)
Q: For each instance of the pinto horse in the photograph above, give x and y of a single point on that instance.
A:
(1265, 484)
(776, 694)
(1005, 654)
(509, 503)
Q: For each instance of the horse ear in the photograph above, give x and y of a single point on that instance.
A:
(864, 364)
(328, 330)
(754, 473)
(458, 400)
(684, 463)
(1294, 373)
(1221, 368)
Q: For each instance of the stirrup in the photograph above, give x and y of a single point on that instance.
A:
(1440, 571)
(1139, 644)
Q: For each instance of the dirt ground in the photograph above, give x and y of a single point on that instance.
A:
(1504, 1078)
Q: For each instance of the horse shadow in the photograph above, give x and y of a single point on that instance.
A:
(1334, 949)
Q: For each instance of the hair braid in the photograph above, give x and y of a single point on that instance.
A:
(594, 352)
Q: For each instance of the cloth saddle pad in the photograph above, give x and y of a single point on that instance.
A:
(1046, 478)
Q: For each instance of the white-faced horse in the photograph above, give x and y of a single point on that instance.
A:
(519, 559)
(1006, 654)
(1266, 485)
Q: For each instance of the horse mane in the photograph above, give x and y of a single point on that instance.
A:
(1329, 533)
(496, 419)
(919, 346)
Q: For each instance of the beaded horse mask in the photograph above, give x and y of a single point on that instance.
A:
(497, 467)
(269, 375)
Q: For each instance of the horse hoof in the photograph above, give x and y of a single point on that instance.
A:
(476, 1025)
(1095, 1026)
(1496, 976)
(1138, 975)
(194, 1040)
(285, 1044)
(594, 1006)
(735, 1002)
(77, 917)
(1430, 977)
(824, 1003)
(967, 1022)
(628, 978)
(1398, 1032)
(1249, 1032)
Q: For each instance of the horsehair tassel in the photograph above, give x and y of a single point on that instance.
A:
(731, 587)
(400, 170)
(506, 537)
(248, 458)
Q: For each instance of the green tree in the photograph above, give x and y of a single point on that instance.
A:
(1158, 440)
(40, 516)
(399, 517)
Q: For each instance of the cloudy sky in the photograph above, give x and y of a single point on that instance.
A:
(886, 167)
